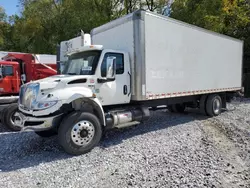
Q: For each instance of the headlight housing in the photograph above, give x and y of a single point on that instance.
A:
(44, 105)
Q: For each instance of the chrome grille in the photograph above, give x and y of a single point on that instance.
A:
(28, 94)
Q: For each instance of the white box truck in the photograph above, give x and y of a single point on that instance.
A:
(114, 77)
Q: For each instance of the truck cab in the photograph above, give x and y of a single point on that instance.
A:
(93, 65)
(9, 78)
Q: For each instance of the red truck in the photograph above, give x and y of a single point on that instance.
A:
(15, 70)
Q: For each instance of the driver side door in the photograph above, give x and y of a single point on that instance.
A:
(117, 91)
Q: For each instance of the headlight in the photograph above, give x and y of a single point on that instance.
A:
(44, 105)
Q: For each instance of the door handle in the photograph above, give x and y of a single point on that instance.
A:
(130, 83)
(125, 89)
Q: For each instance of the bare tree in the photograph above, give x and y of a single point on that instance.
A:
(156, 5)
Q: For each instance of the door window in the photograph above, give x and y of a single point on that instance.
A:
(8, 71)
(119, 63)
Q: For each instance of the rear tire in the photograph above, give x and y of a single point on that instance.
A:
(46, 134)
(8, 117)
(202, 105)
(79, 133)
(213, 105)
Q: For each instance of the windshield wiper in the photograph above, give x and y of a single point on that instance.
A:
(71, 73)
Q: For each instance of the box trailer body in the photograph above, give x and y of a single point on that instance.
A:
(113, 77)
(170, 58)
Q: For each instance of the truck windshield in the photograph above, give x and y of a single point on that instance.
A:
(83, 63)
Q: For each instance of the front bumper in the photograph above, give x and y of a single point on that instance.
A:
(36, 123)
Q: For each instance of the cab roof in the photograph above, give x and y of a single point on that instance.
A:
(2, 62)
(11, 56)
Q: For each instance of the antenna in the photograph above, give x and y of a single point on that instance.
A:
(82, 37)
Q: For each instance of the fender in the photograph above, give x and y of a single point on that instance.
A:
(70, 94)
(99, 110)
(77, 100)
(77, 96)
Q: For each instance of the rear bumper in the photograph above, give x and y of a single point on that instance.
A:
(36, 123)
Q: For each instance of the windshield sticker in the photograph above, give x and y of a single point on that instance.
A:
(85, 63)
(86, 68)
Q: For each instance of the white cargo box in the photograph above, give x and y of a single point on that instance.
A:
(170, 58)
(2, 54)
(45, 59)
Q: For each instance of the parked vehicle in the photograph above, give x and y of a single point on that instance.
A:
(17, 69)
(135, 63)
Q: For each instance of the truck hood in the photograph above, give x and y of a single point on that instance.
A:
(52, 81)
(61, 89)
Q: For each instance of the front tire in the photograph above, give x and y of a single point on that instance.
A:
(79, 133)
(2, 116)
(8, 117)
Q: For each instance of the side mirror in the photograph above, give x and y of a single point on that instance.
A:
(23, 78)
(60, 66)
(111, 68)
(1, 71)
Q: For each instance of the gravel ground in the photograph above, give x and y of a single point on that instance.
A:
(169, 150)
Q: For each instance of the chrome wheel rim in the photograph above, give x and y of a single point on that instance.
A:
(216, 106)
(82, 133)
(12, 118)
